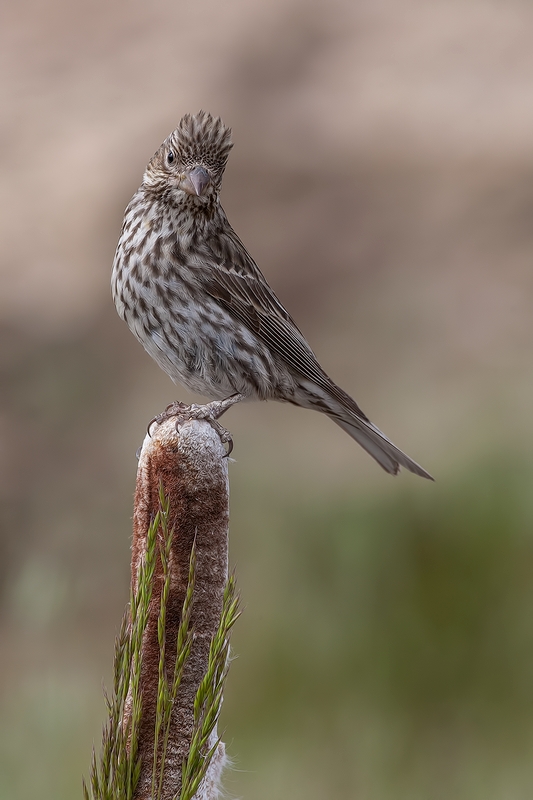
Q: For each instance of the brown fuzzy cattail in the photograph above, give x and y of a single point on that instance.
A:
(187, 467)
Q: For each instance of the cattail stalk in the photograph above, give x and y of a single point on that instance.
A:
(172, 655)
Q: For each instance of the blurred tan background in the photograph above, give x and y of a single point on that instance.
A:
(382, 177)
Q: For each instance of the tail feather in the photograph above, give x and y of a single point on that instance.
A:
(376, 444)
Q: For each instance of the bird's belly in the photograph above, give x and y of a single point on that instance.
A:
(202, 348)
(188, 361)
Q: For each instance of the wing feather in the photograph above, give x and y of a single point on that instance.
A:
(238, 284)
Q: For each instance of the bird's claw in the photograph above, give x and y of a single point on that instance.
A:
(208, 412)
(172, 410)
(225, 435)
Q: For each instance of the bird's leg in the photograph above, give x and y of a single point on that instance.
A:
(210, 412)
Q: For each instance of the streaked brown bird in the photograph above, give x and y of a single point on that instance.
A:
(198, 303)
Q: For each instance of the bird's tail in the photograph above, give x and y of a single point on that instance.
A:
(378, 446)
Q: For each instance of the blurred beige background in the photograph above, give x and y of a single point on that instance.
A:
(382, 177)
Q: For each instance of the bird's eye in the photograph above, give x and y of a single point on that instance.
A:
(170, 157)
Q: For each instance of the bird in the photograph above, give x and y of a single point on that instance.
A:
(196, 300)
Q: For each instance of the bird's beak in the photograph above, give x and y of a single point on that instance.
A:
(195, 181)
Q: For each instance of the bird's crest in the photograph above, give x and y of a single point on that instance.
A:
(202, 139)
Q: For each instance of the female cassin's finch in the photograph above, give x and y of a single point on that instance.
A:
(200, 306)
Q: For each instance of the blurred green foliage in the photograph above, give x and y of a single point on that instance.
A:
(385, 649)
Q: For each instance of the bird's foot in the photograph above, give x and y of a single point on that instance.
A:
(209, 411)
(172, 410)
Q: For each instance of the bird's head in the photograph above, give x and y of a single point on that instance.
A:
(191, 161)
